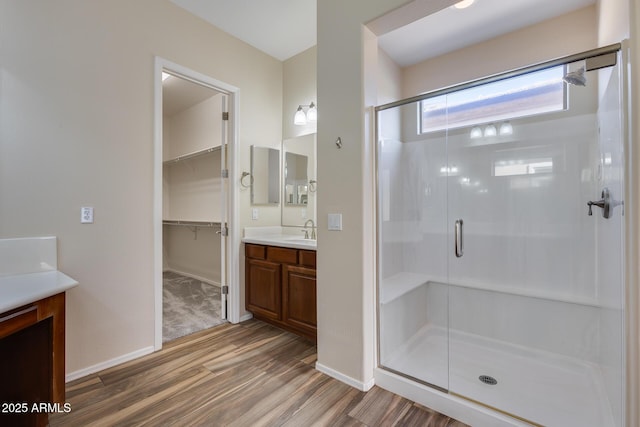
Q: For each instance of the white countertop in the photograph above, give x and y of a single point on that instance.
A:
(20, 289)
(285, 241)
(286, 237)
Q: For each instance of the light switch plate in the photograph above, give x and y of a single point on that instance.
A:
(86, 215)
(335, 222)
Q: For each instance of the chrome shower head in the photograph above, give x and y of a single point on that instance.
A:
(576, 77)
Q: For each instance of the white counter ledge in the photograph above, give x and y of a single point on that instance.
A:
(279, 236)
(283, 241)
(21, 289)
(29, 271)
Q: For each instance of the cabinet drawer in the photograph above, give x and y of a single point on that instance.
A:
(307, 258)
(283, 255)
(255, 251)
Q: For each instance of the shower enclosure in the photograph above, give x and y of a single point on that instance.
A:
(501, 244)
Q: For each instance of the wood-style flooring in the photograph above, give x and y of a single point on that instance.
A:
(249, 374)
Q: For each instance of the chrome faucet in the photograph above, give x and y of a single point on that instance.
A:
(313, 229)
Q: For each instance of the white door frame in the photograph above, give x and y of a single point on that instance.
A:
(233, 239)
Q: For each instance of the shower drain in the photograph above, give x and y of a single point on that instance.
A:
(488, 380)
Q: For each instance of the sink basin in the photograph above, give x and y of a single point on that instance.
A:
(298, 238)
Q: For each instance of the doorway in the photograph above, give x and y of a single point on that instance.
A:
(194, 205)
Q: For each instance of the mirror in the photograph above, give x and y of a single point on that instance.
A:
(299, 180)
(265, 176)
(296, 184)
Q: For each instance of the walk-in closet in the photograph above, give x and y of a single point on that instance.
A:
(193, 130)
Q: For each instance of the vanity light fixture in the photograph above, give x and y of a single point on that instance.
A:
(490, 130)
(310, 116)
(463, 4)
(476, 132)
(506, 129)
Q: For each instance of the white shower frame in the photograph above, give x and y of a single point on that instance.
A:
(478, 415)
(233, 220)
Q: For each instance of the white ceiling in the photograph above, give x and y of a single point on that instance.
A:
(451, 29)
(284, 28)
(281, 28)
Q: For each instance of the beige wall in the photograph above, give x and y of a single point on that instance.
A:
(631, 9)
(192, 130)
(613, 21)
(562, 36)
(299, 88)
(345, 289)
(388, 79)
(76, 129)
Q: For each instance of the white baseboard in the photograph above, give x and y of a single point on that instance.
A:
(108, 363)
(193, 276)
(246, 317)
(362, 386)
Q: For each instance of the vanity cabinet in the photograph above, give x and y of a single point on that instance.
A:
(281, 287)
(32, 360)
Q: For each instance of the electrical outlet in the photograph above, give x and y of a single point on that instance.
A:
(86, 215)
(254, 214)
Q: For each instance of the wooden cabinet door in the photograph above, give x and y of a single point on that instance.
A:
(263, 280)
(299, 298)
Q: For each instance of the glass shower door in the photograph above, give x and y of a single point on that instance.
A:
(412, 290)
(534, 281)
(501, 245)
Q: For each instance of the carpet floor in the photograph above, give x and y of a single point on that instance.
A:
(188, 306)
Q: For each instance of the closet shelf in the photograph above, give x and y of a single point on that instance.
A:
(192, 155)
(191, 223)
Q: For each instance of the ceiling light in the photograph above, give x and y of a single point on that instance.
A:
(463, 4)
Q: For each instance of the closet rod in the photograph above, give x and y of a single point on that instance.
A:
(192, 155)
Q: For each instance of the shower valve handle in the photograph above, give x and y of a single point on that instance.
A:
(604, 204)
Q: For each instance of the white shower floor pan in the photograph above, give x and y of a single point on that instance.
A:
(540, 387)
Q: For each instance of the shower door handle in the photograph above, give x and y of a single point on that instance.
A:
(458, 242)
